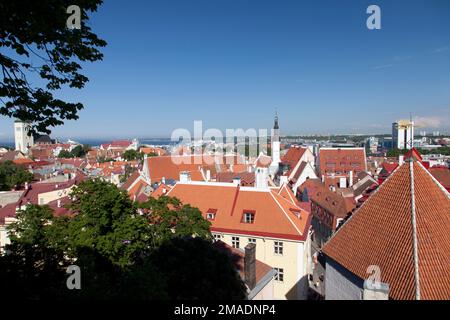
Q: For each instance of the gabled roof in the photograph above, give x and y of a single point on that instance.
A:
(275, 216)
(381, 232)
(342, 159)
(247, 178)
(263, 161)
(442, 174)
(292, 157)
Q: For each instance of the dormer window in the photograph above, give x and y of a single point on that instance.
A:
(211, 214)
(248, 217)
(296, 212)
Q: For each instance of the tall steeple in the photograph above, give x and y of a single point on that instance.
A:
(276, 128)
(275, 147)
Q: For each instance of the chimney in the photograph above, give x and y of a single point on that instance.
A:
(208, 175)
(250, 265)
(323, 178)
(283, 180)
(237, 181)
(185, 177)
(26, 185)
(350, 178)
(401, 159)
(163, 180)
(58, 203)
(261, 176)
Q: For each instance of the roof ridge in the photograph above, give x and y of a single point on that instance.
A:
(285, 213)
(414, 231)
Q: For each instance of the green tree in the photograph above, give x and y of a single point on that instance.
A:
(107, 220)
(13, 176)
(122, 254)
(65, 154)
(35, 41)
(131, 154)
(169, 218)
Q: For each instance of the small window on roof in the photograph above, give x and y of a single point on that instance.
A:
(211, 214)
(248, 217)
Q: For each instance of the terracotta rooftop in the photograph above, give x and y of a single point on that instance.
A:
(274, 215)
(292, 157)
(381, 233)
(333, 160)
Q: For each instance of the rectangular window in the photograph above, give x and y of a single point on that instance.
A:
(248, 217)
(279, 275)
(252, 240)
(235, 242)
(278, 248)
(211, 214)
(217, 237)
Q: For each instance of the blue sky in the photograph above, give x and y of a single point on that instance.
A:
(230, 63)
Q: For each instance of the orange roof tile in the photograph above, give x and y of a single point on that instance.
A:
(343, 160)
(275, 216)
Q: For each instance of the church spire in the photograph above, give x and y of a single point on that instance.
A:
(275, 126)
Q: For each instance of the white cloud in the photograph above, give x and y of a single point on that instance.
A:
(384, 66)
(428, 122)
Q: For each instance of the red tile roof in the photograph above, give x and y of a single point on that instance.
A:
(247, 178)
(442, 174)
(380, 233)
(342, 160)
(275, 216)
(292, 157)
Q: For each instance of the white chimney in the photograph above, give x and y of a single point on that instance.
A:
(342, 182)
(261, 176)
(237, 181)
(401, 159)
(58, 203)
(323, 178)
(185, 177)
(208, 175)
(350, 178)
(163, 180)
(283, 180)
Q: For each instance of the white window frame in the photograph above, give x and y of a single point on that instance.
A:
(251, 215)
(234, 241)
(278, 248)
(279, 272)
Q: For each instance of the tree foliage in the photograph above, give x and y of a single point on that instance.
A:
(124, 252)
(35, 45)
(131, 154)
(13, 176)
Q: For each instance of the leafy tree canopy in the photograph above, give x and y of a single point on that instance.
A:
(12, 176)
(123, 251)
(35, 43)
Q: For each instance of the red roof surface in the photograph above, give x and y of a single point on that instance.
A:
(274, 215)
(292, 157)
(344, 160)
(380, 233)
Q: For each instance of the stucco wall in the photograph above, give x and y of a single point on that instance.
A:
(293, 261)
(341, 284)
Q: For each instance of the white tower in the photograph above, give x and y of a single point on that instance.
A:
(275, 147)
(22, 139)
(403, 134)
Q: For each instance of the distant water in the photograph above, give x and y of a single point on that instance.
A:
(98, 142)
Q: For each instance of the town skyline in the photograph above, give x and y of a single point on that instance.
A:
(232, 64)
